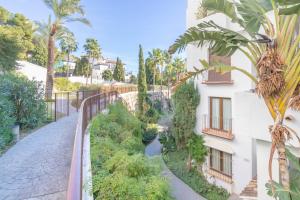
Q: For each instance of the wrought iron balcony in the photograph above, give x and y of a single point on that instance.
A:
(216, 126)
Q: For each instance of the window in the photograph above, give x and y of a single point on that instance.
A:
(220, 113)
(220, 162)
(216, 77)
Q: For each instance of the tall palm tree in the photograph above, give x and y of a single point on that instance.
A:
(157, 58)
(275, 55)
(68, 45)
(93, 52)
(178, 67)
(65, 11)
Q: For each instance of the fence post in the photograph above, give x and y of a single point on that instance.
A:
(55, 107)
(77, 101)
(91, 107)
(68, 101)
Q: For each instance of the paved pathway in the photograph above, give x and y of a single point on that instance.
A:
(37, 167)
(179, 189)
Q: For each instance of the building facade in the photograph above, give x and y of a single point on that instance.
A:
(101, 65)
(233, 119)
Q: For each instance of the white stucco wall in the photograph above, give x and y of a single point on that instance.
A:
(32, 71)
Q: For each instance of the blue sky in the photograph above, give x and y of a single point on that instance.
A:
(119, 25)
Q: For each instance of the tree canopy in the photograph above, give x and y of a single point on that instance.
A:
(119, 71)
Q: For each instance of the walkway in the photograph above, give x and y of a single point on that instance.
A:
(179, 189)
(37, 168)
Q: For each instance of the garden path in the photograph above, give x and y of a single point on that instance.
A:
(179, 189)
(37, 167)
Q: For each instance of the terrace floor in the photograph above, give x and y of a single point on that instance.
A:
(37, 167)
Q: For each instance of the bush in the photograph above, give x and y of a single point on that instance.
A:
(7, 121)
(120, 170)
(26, 98)
(176, 162)
(149, 135)
(186, 100)
(151, 116)
(63, 84)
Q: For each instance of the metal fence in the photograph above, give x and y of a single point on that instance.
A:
(61, 104)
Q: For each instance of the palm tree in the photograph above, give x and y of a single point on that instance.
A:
(93, 52)
(275, 55)
(68, 45)
(65, 11)
(178, 65)
(157, 58)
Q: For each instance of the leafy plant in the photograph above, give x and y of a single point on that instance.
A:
(176, 162)
(186, 100)
(63, 84)
(120, 170)
(149, 135)
(27, 99)
(7, 122)
(197, 150)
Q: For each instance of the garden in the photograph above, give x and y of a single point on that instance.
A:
(120, 168)
(21, 105)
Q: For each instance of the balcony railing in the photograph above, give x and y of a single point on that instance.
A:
(216, 126)
(213, 77)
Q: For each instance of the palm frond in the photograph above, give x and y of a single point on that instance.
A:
(78, 19)
(222, 41)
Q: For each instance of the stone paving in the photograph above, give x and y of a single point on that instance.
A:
(37, 167)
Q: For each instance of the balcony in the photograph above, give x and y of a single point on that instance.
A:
(218, 127)
(213, 78)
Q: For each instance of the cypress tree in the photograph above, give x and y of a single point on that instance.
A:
(142, 84)
(119, 72)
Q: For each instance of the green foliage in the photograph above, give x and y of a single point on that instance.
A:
(151, 71)
(68, 43)
(83, 67)
(27, 99)
(149, 135)
(120, 170)
(168, 142)
(197, 149)
(63, 84)
(107, 75)
(39, 54)
(119, 71)
(133, 79)
(10, 47)
(176, 162)
(151, 116)
(92, 48)
(279, 192)
(142, 84)
(7, 122)
(186, 100)
(4, 15)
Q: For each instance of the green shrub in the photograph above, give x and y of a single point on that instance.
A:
(63, 84)
(120, 170)
(27, 99)
(149, 135)
(7, 122)
(176, 162)
(151, 116)
(186, 100)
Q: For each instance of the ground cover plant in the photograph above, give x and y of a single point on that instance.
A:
(120, 170)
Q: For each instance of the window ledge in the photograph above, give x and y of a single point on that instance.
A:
(218, 133)
(220, 176)
(218, 82)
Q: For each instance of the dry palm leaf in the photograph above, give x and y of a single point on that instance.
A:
(271, 75)
(295, 101)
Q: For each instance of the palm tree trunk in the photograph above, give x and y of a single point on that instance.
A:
(92, 71)
(50, 68)
(283, 165)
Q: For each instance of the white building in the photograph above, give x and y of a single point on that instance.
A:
(233, 120)
(32, 71)
(102, 65)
